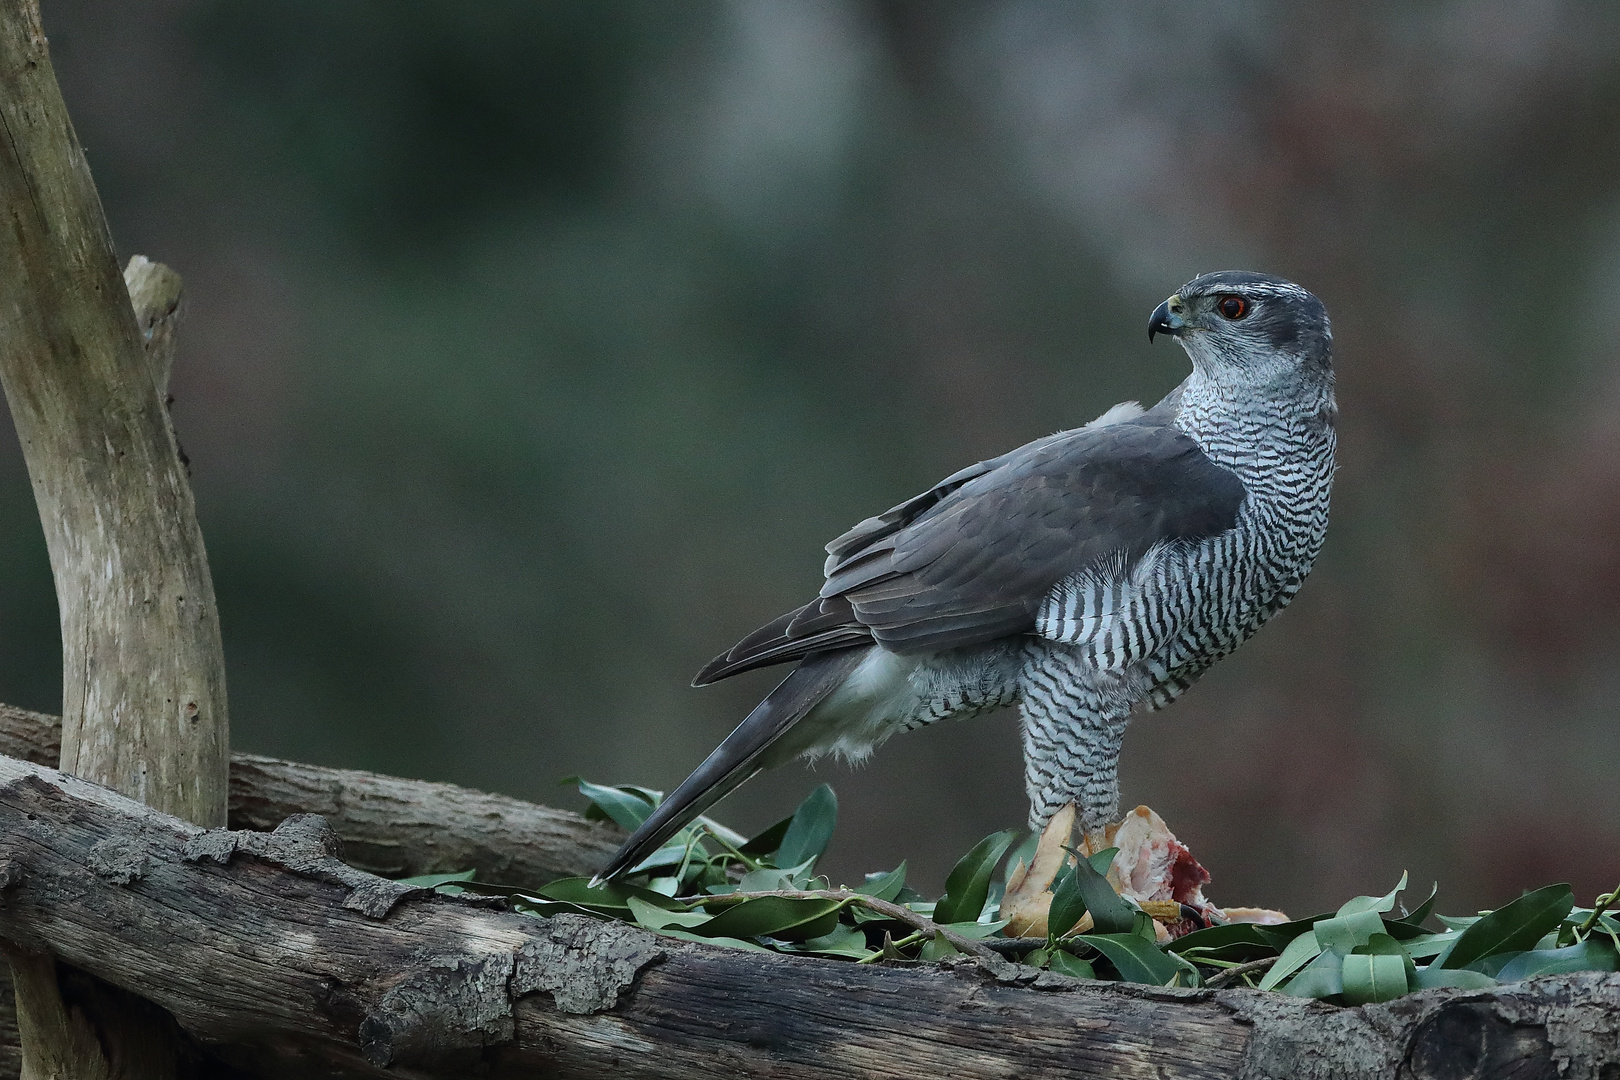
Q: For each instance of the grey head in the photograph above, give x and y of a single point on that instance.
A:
(1240, 325)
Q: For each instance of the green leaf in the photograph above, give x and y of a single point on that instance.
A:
(767, 842)
(1038, 957)
(1299, 952)
(993, 897)
(1593, 954)
(670, 854)
(654, 918)
(845, 941)
(1023, 853)
(1457, 922)
(810, 828)
(775, 916)
(884, 886)
(728, 942)
(1110, 913)
(1229, 941)
(1068, 964)
(1513, 927)
(1381, 945)
(1373, 903)
(1401, 930)
(1490, 965)
(429, 881)
(1421, 948)
(770, 879)
(1322, 977)
(865, 916)
(975, 930)
(1606, 922)
(1372, 978)
(705, 825)
(1432, 978)
(890, 950)
(626, 807)
(1067, 905)
(1343, 933)
(545, 909)
(968, 885)
(1281, 934)
(1416, 918)
(1379, 978)
(937, 948)
(611, 897)
(1135, 959)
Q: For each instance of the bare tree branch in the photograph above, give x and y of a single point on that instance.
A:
(389, 826)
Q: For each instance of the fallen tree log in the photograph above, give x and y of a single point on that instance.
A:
(284, 961)
(388, 825)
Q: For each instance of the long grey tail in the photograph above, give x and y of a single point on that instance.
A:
(739, 757)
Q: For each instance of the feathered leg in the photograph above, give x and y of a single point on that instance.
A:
(1073, 721)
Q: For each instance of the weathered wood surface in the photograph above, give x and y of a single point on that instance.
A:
(389, 826)
(285, 962)
(143, 673)
(155, 294)
(84, 359)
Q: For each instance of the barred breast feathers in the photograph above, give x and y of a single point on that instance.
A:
(1112, 612)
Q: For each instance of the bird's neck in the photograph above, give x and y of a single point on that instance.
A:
(1253, 426)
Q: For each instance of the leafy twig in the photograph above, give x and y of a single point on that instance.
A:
(1215, 982)
(888, 909)
(1599, 906)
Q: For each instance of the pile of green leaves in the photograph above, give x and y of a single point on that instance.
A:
(713, 885)
(1365, 952)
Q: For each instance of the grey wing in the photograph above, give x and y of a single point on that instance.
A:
(979, 564)
(972, 559)
(829, 622)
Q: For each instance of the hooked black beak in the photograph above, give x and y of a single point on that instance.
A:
(1163, 322)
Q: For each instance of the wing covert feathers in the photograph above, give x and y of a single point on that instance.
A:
(973, 558)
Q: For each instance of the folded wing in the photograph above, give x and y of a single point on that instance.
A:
(973, 558)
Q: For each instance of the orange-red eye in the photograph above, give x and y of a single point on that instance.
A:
(1232, 307)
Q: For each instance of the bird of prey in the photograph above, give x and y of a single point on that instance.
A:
(1080, 577)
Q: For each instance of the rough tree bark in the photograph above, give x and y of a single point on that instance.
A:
(389, 826)
(286, 962)
(143, 673)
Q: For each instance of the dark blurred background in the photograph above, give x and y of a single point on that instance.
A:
(535, 348)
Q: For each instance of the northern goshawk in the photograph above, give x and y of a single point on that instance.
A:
(1078, 577)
